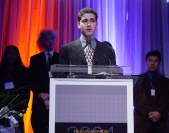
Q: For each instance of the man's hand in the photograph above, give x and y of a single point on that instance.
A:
(46, 102)
(44, 97)
(154, 116)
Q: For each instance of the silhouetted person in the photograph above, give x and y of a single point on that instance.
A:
(14, 82)
(39, 67)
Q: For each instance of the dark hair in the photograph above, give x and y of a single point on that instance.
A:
(44, 33)
(86, 10)
(154, 53)
(4, 57)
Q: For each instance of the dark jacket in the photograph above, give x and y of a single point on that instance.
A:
(73, 54)
(145, 103)
(40, 77)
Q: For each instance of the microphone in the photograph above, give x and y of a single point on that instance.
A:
(107, 58)
(113, 68)
(88, 42)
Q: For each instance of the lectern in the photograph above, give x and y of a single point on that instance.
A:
(101, 102)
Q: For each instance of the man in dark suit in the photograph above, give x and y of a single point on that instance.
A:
(39, 67)
(151, 98)
(73, 53)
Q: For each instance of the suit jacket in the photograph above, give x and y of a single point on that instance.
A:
(73, 54)
(40, 78)
(145, 103)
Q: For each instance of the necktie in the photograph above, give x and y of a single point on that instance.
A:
(49, 57)
(153, 81)
(153, 90)
(88, 51)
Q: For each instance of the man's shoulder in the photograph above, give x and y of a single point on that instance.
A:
(55, 53)
(72, 43)
(143, 74)
(103, 45)
(164, 78)
(37, 56)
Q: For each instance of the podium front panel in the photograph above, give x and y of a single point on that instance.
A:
(91, 105)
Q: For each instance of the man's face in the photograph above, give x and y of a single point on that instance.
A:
(153, 63)
(87, 25)
(48, 42)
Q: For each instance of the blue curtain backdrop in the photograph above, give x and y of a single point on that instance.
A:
(133, 27)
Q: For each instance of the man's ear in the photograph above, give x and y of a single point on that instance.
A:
(78, 25)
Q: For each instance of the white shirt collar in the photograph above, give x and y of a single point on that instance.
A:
(51, 52)
(83, 41)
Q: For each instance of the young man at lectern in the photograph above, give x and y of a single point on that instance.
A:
(39, 68)
(78, 53)
(151, 98)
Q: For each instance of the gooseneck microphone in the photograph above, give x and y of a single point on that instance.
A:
(88, 42)
(98, 52)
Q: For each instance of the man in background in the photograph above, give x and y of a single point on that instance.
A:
(151, 98)
(39, 68)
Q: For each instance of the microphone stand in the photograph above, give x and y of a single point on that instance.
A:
(109, 61)
(90, 66)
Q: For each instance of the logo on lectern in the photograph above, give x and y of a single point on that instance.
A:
(86, 129)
